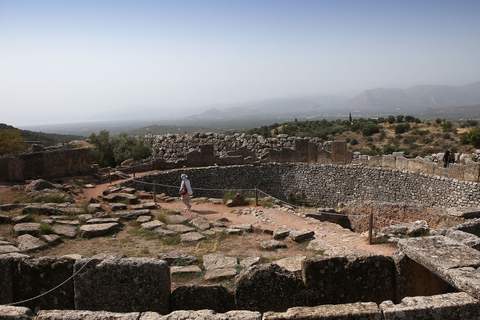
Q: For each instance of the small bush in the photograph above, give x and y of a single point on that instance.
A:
(45, 229)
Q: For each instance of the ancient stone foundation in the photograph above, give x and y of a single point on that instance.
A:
(351, 287)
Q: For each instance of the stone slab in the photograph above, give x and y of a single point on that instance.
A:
(15, 313)
(350, 311)
(218, 261)
(455, 263)
(450, 306)
(85, 314)
(29, 243)
(95, 230)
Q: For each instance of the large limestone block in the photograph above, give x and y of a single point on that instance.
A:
(350, 311)
(203, 315)
(354, 278)
(15, 313)
(132, 214)
(450, 306)
(122, 285)
(450, 260)
(198, 297)
(34, 276)
(268, 288)
(84, 314)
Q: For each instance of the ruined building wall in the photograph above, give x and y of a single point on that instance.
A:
(45, 164)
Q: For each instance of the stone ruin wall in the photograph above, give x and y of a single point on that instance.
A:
(245, 149)
(176, 151)
(358, 286)
(45, 164)
(321, 185)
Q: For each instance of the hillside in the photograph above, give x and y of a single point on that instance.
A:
(413, 99)
(46, 139)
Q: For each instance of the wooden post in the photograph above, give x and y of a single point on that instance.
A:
(133, 172)
(256, 196)
(154, 193)
(370, 228)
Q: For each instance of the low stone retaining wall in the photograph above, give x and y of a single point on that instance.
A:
(352, 287)
(321, 185)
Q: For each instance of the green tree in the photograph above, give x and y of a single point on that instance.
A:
(400, 118)
(11, 142)
(474, 137)
(130, 147)
(391, 119)
(102, 154)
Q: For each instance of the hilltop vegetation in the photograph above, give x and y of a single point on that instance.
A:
(384, 135)
(46, 139)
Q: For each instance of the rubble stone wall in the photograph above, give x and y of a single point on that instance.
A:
(45, 164)
(321, 185)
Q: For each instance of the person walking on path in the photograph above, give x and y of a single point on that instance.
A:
(186, 191)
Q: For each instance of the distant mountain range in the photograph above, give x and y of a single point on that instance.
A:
(413, 99)
(416, 100)
(425, 102)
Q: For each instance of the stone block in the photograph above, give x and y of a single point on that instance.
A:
(451, 306)
(15, 313)
(6, 280)
(198, 297)
(450, 260)
(268, 288)
(34, 276)
(355, 278)
(122, 285)
(85, 314)
(350, 311)
(389, 161)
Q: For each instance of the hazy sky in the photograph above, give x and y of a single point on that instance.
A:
(70, 61)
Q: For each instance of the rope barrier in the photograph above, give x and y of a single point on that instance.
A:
(51, 290)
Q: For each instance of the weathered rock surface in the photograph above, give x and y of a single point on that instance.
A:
(220, 274)
(131, 214)
(249, 261)
(177, 258)
(198, 297)
(95, 230)
(465, 238)
(152, 225)
(292, 264)
(117, 197)
(450, 306)
(268, 288)
(358, 310)
(64, 230)
(84, 314)
(39, 184)
(281, 233)
(245, 227)
(103, 220)
(327, 249)
(450, 260)
(337, 280)
(180, 228)
(15, 313)
(272, 245)
(299, 235)
(185, 269)
(191, 237)
(203, 315)
(8, 249)
(200, 223)
(218, 261)
(176, 219)
(40, 209)
(32, 228)
(108, 284)
(28, 243)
